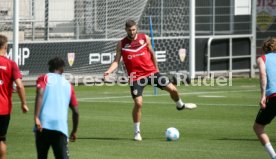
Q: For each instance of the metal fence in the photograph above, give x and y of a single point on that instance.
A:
(100, 19)
(62, 21)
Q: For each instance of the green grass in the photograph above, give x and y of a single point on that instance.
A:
(221, 127)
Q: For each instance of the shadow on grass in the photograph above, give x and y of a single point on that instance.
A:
(116, 138)
(104, 138)
(236, 139)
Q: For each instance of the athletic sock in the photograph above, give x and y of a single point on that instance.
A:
(179, 103)
(136, 127)
(270, 150)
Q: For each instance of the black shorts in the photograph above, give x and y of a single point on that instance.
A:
(56, 139)
(157, 80)
(265, 116)
(4, 124)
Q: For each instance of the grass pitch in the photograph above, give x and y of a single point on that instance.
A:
(221, 126)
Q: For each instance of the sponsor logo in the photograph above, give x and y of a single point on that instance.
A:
(161, 56)
(135, 55)
(142, 54)
(103, 58)
(23, 54)
(71, 58)
(107, 58)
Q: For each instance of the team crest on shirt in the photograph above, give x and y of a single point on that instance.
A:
(1, 82)
(142, 42)
(135, 92)
(71, 58)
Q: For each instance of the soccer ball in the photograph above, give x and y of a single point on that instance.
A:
(172, 134)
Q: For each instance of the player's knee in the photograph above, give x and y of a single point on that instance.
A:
(258, 128)
(138, 104)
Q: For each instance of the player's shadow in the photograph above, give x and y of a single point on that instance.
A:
(114, 138)
(236, 139)
(104, 138)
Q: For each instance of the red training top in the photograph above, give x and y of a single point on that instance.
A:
(9, 72)
(137, 57)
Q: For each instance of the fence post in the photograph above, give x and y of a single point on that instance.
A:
(46, 27)
(15, 30)
(33, 20)
(253, 40)
(192, 41)
(106, 18)
(162, 16)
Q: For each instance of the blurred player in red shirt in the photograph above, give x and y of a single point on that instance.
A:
(139, 59)
(9, 73)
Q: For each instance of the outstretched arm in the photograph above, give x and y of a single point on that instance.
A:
(116, 61)
(152, 53)
(22, 95)
(263, 82)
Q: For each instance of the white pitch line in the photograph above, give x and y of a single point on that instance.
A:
(151, 95)
(171, 103)
(164, 94)
(208, 96)
(162, 103)
(119, 97)
(248, 86)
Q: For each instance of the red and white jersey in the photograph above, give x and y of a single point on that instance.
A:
(9, 72)
(137, 57)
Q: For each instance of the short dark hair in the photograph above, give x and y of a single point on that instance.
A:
(3, 40)
(269, 45)
(56, 64)
(130, 23)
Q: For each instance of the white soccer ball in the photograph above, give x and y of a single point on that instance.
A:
(172, 134)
